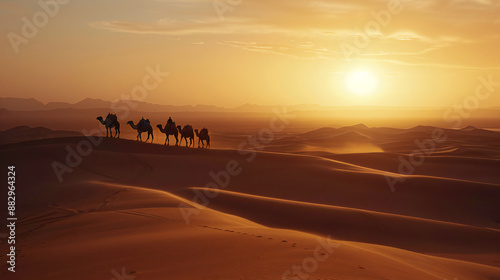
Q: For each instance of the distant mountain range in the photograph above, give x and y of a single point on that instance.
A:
(31, 104)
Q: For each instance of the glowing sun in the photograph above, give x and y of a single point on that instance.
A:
(361, 82)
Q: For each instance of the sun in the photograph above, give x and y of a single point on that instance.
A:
(361, 82)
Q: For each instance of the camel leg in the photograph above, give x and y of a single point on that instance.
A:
(150, 134)
(176, 140)
(152, 137)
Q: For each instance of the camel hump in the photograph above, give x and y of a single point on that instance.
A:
(112, 117)
(204, 131)
(144, 123)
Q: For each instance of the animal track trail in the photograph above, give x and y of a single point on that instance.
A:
(142, 214)
(59, 213)
(294, 244)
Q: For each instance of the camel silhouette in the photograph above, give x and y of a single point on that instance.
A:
(203, 136)
(186, 132)
(142, 126)
(110, 122)
(170, 129)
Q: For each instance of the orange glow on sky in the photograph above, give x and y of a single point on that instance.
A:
(418, 53)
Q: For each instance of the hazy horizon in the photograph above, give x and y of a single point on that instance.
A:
(321, 106)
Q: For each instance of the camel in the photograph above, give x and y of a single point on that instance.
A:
(203, 136)
(170, 130)
(186, 132)
(142, 126)
(110, 122)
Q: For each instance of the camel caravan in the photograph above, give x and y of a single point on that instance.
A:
(170, 128)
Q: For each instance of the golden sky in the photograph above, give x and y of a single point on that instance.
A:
(231, 52)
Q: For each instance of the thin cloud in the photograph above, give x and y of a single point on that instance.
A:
(422, 29)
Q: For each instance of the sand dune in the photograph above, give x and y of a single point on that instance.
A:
(114, 230)
(119, 209)
(415, 234)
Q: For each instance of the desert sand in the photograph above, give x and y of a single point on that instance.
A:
(309, 205)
